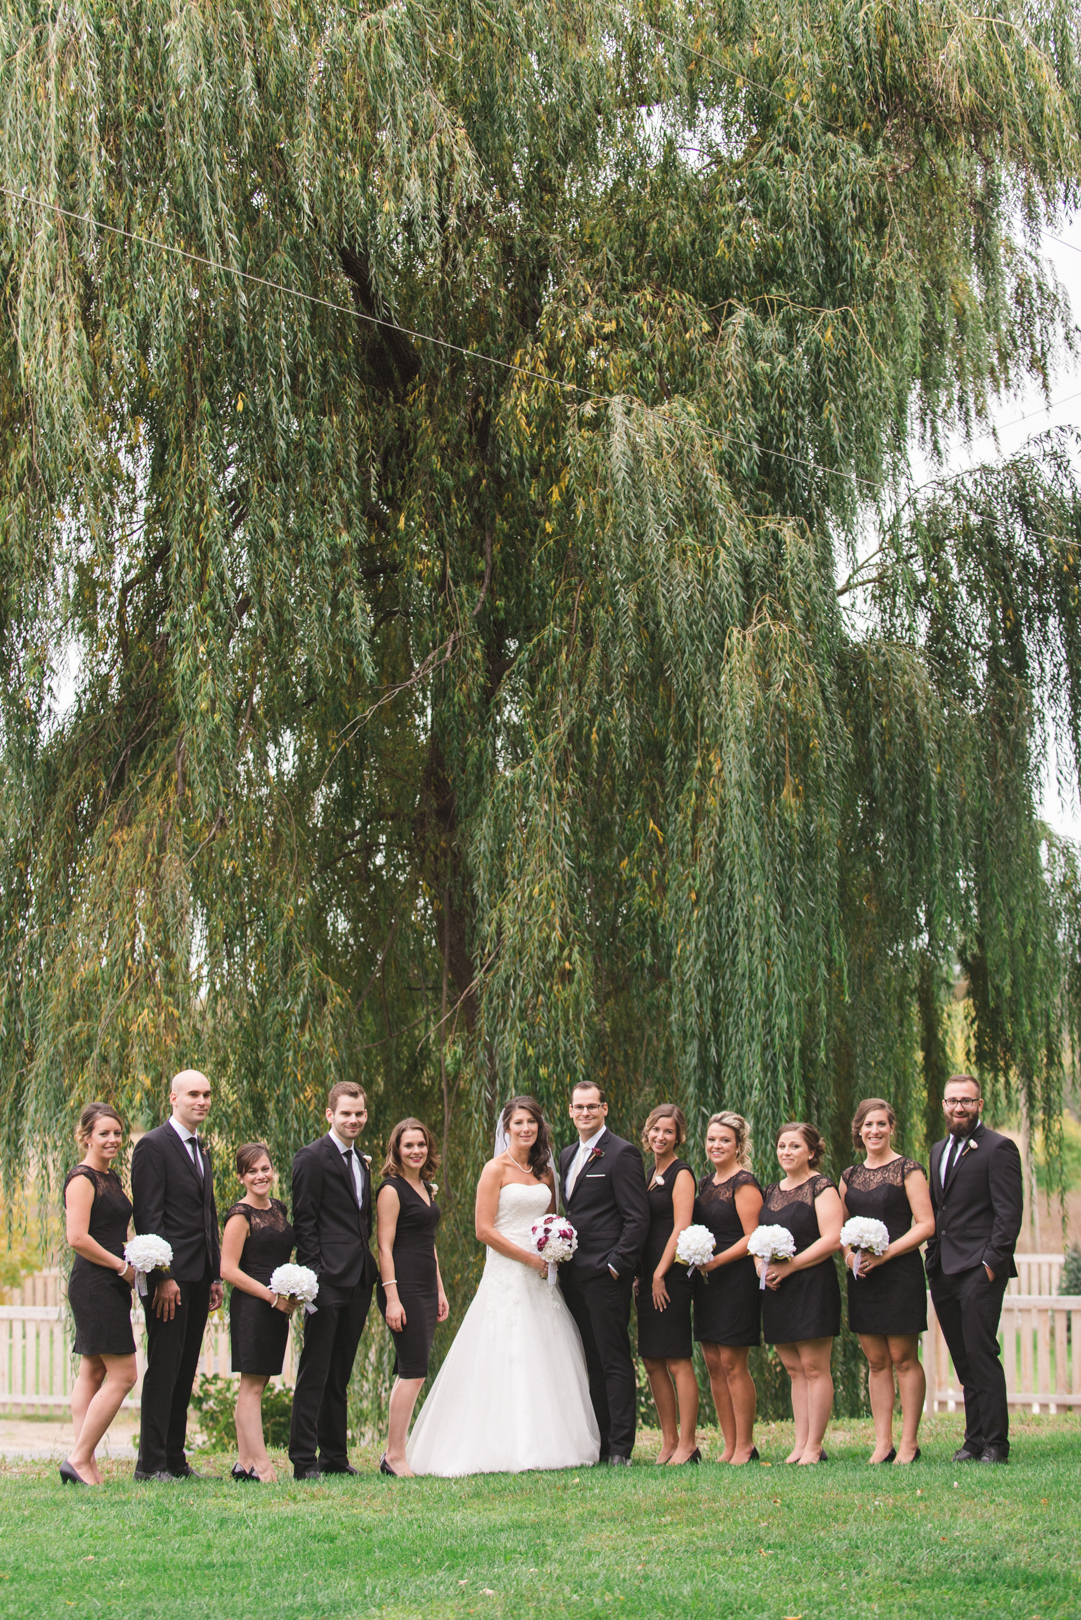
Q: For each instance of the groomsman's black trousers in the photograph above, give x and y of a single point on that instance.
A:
(601, 1306)
(319, 1420)
(968, 1306)
(172, 1360)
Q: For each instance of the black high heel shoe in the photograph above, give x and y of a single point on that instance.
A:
(754, 1457)
(69, 1475)
(695, 1457)
(915, 1457)
(385, 1468)
(243, 1473)
(892, 1453)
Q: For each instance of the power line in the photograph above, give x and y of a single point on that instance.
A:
(457, 348)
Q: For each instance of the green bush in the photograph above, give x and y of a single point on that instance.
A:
(1070, 1280)
(213, 1400)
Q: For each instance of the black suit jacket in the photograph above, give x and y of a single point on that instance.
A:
(978, 1212)
(608, 1207)
(333, 1230)
(173, 1202)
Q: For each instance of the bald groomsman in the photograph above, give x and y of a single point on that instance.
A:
(172, 1190)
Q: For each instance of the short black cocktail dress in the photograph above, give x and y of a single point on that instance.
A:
(807, 1305)
(728, 1301)
(891, 1299)
(258, 1334)
(100, 1301)
(664, 1335)
(417, 1276)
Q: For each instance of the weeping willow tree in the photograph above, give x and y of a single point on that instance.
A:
(465, 618)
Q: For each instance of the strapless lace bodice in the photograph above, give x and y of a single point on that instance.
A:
(519, 1206)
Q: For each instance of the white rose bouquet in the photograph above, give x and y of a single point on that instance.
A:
(297, 1283)
(555, 1239)
(145, 1254)
(694, 1247)
(770, 1243)
(865, 1236)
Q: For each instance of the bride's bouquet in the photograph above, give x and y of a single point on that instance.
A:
(145, 1254)
(694, 1247)
(865, 1236)
(555, 1239)
(770, 1243)
(296, 1283)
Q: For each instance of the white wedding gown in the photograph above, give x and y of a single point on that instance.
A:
(513, 1393)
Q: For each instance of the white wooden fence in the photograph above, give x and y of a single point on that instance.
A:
(1040, 1334)
(36, 1366)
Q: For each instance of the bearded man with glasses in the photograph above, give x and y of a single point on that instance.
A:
(976, 1192)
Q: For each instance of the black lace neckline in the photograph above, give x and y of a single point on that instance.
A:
(724, 1192)
(894, 1174)
(805, 1193)
(275, 1217)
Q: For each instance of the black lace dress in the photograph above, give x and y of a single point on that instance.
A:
(892, 1298)
(664, 1335)
(100, 1302)
(727, 1302)
(417, 1276)
(257, 1332)
(807, 1305)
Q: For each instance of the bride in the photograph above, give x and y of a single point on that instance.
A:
(513, 1392)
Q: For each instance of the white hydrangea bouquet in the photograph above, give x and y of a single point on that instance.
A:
(297, 1283)
(770, 1243)
(555, 1239)
(694, 1247)
(864, 1236)
(147, 1253)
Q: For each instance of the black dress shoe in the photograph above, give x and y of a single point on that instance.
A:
(309, 1471)
(187, 1472)
(962, 1454)
(884, 1460)
(617, 1460)
(70, 1476)
(994, 1454)
(346, 1468)
(159, 1475)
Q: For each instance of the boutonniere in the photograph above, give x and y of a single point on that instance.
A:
(970, 1146)
(595, 1153)
(366, 1157)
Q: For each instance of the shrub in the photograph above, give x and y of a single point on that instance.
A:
(213, 1400)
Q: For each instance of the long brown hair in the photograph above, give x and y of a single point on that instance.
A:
(392, 1164)
(670, 1111)
(540, 1152)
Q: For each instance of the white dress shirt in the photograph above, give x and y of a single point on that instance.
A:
(190, 1142)
(357, 1162)
(584, 1150)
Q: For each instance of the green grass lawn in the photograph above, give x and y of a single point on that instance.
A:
(934, 1541)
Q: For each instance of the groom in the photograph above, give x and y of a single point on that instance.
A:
(604, 1194)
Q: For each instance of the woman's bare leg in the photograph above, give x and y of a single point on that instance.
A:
(743, 1396)
(722, 1398)
(250, 1441)
(876, 1347)
(793, 1366)
(814, 1355)
(912, 1381)
(403, 1398)
(686, 1383)
(664, 1399)
(118, 1375)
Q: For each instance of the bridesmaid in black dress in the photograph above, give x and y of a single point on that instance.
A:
(727, 1299)
(887, 1300)
(664, 1291)
(97, 1212)
(801, 1308)
(410, 1294)
(256, 1240)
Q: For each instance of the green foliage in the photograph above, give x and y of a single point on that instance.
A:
(213, 1401)
(370, 707)
(1070, 1280)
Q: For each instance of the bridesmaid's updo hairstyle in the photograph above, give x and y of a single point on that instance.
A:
(868, 1106)
(89, 1118)
(392, 1164)
(248, 1156)
(540, 1152)
(740, 1130)
(816, 1142)
(665, 1111)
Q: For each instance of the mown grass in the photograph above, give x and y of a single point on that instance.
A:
(935, 1541)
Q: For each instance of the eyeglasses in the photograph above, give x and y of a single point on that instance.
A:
(586, 1108)
(961, 1102)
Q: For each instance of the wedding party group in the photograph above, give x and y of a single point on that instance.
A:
(541, 1373)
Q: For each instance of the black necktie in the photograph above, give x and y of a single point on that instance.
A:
(196, 1156)
(955, 1153)
(351, 1166)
